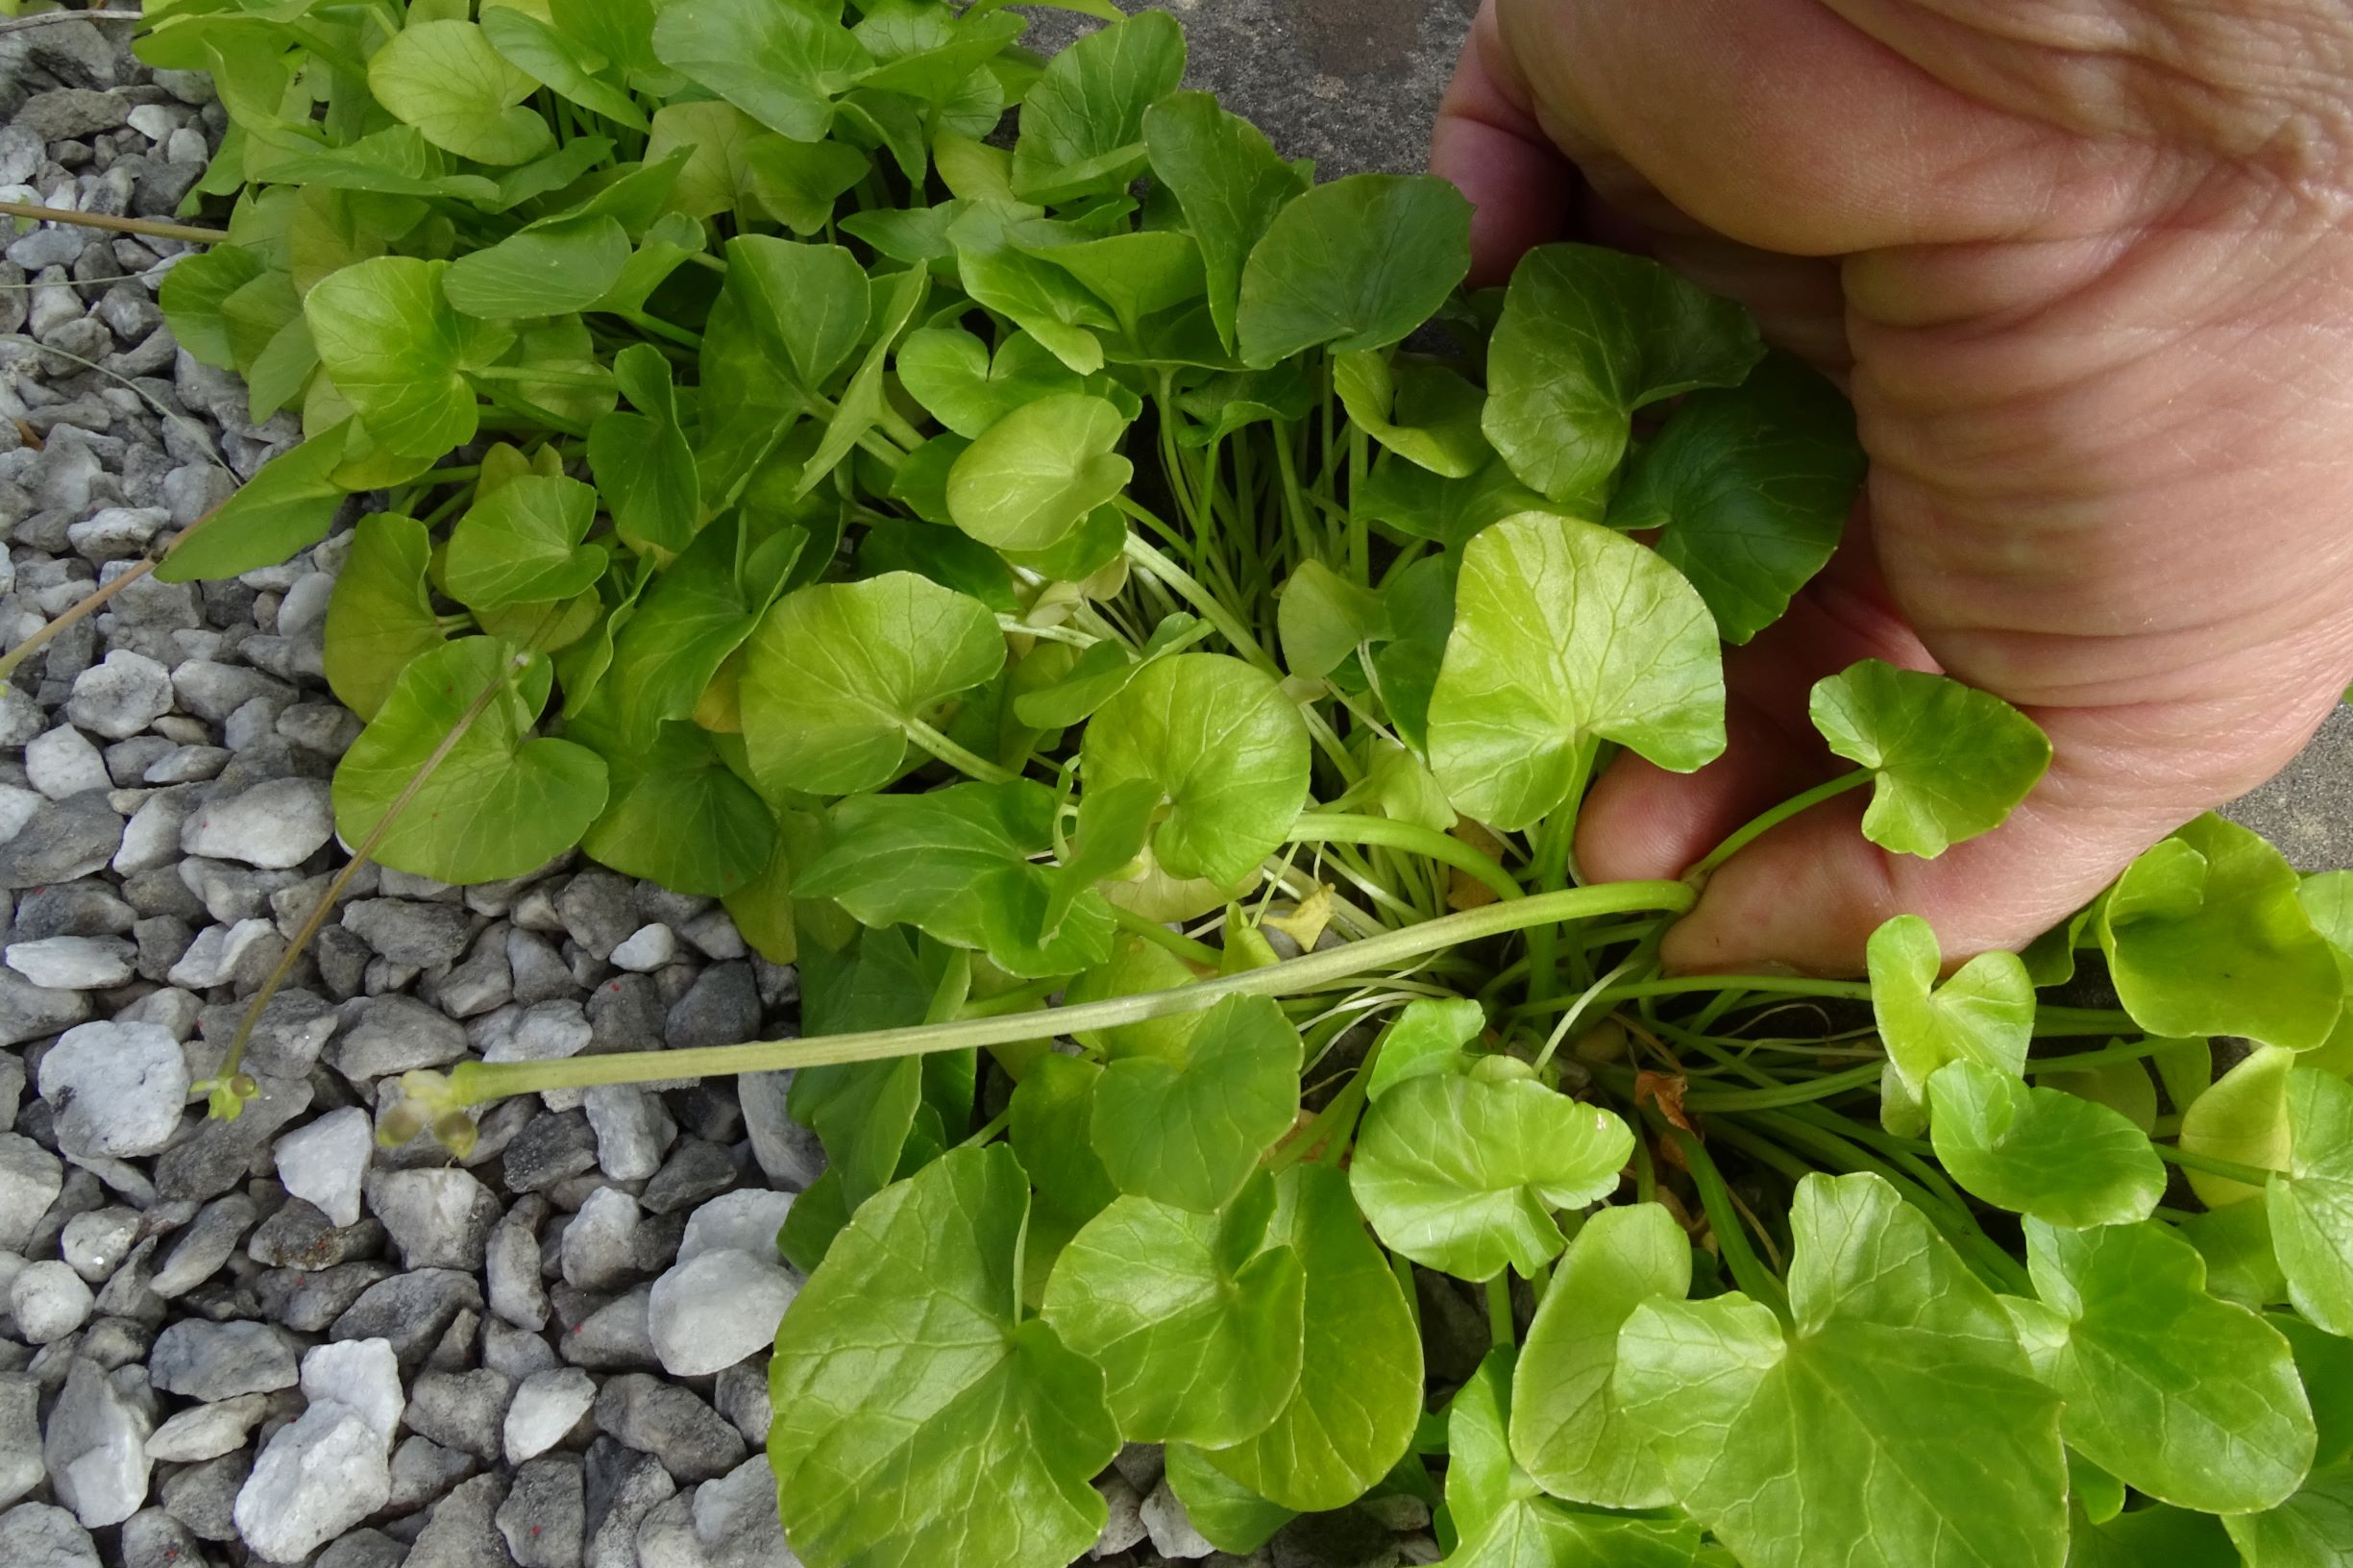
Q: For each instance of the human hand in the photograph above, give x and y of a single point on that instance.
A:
(2087, 268)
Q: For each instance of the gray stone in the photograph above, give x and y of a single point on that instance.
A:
(219, 952)
(740, 1393)
(554, 1146)
(408, 932)
(94, 1243)
(543, 1031)
(545, 1408)
(64, 763)
(363, 1549)
(298, 1236)
(787, 1151)
(1123, 1523)
(72, 962)
(96, 1443)
(439, 1218)
(201, 1249)
(21, 1466)
(214, 691)
(599, 910)
(220, 1361)
(463, 1532)
(479, 983)
(118, 1089)
(320, 1476)
(285, 1039)
(120, 534)
(736, 1523)
(633, 1130)
(697, 1169)
(545, 1515)
(717, 1310)
(464, 1410)
(511, 1264)
(37, 1535)
(693, 1442)
(89, 908)
(394, 1035)
(206, 1431)
(720, 1007)
(30, 1180)
(276, 824)
(616, 1336)
(537, 971)
(216, 1155)
(152, 1539)
(122, 696)
(622, 1486)
(49, 1301)
(599, 1246)
(423, 1471)
(63, 840)
(151, 839)
(325, 1162)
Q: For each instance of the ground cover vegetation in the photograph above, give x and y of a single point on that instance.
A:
(1117, 614)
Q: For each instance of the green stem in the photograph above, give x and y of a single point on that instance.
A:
(1160, 936)
(1228, 624)
(1749, 1271)
(476, 1082)
(659, 328)
(1824, 1088)
(988, 1129)
(1500, 1330)
(1411, 838)
(956, 756)
(2230, 1169)
(1765, 821)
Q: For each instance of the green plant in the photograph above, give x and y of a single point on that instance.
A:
(1053, 572)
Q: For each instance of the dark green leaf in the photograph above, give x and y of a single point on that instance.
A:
(1356, 264)
(1082, 123)
(1228, 180)
(781, 62)
(644, 467)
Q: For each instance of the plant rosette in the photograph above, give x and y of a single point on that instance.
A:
(1018, 540)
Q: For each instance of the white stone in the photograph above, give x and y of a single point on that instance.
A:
(633, 1130)
(121, 696)
(72, 962)
(151, 837)
(49, 1301)
(94, 1244)
(96, 1443)
(305, 606)
(360, 1373)
(118, 1089)
(64, 762)
(746, 1219)
(598, 1243)
(1123, 1522)
(216, 952)
(325, 1162)
(717, 1310)
(319, 1477)
(1171, 1527)
(276, 824)
(547, 1405)
(646, 949)
(38, 1535)
(17, 808)
(206, 1431)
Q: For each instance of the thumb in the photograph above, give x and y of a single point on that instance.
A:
(1487, 143)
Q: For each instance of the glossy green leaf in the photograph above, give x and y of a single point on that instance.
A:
(917, 1418)
(400, 353)
(644, 467)
(798, 181)
(677, 816)
(1567, 1429)
(2189, 1400)
(1051, 1112)
(952, 374)
(1322, 618)
(1424, 412)
(837, 673)
(286, 507)
(2041, 1151)
(810, 303)
(1948, 762)
(381, 615)
(781, 62)
(1354, 264)
(2205, 935)
(192, 294)
(1361, 1370)
(2150, 1535)
(2312, 1206)
(501, 802)
(1227, 748)
(957, 862)
(1420, 504)
(1588, 336)
(697, 611)
(1814, 1442)
(1752, 486)
(1984, 1013)
(1502, 1517)
(2310, 1530)
(541, 271)
(1139, 276)
(1462, 1175)
(1197, 1327)
(533, 45)
(1103, 671)
(716, 139)
(447, 80)
(1035, 474)
(996, 243)
(1082, 122)
(1228, 180)
(860, 405)
(1566, 635)
(1426, 1038)
(1185, 1123)
(2242, 1118)
(1229, 1515)
(520, 544)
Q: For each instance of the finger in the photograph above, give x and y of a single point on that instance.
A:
(1486, 140)
(1811, 891)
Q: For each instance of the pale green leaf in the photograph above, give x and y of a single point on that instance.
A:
(1984, 1013)
(520, 544)
(2041, 1151)
(2312, 1205)
(1186, 1122)
(447, 80)
(381, 615)
(1948, 762)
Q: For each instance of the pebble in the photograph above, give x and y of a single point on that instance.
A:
(64, 763)
(545, 1515)
(95, 1242)
(218, 952)
(361, 1373)
(209, 1362)
(204, 1245)
(745, 1220)
(598, 1249)
(405, 931)
(37, 1535)
(122, 694)
(463, 1411)
(694, 1441)
(788, 1152)
(72, 962)
(49, 1301)
(118, 1089)
(277, 824)
(1171, 1527)
(31, 1178)
(21, 1467)
(646, 949)
(634, 1129)
(96, 1443)
(462, 1531)
(717, 1310)
(60, 840)
(623, 1487)
(321, 1475)
(1124, 1525)
(547, 1405)
(439, 1218)
(206, 1431)
(325, 1162)
(394, 1035)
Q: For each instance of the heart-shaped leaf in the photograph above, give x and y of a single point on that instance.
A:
(1566, 1428)
(1356, 264)
(1033, 475)
(1427, 1038)
(1588, 336)
(798, 181)
(1187, 1123)
(1361, 1368)
(781, 62)
(555, 58)
(915, 1408)
(2206, 935)
(1806, 1443)
(1462, 1174)
(501, 802)
(677, 816)
(381, 615)
(1426, 413)
(644, 467)
(697, 611)
(2191, 1399)
(1566, 634)
(2041, 1151)
(1948, 762)
(400, 353)
(1228, 180)
(447, 80)
(837, 672)
(1227, 748)
(1196, 1323)
(1082, 122)
(520, 544)
(1322, 618)
(1984, 1013)
(2312, 1205)
(951, 374)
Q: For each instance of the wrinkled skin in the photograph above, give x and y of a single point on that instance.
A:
(2086, 267)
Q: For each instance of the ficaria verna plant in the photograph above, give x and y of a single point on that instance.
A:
(1116, 614)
